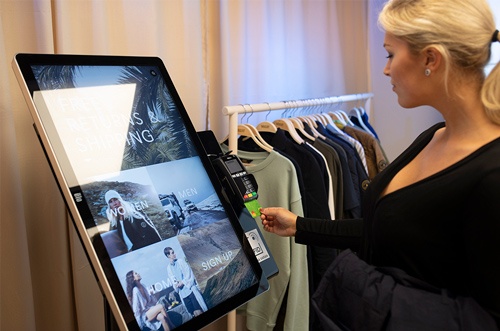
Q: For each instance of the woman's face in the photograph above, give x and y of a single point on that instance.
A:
(137, 276)
(114, 203)
(406, 71)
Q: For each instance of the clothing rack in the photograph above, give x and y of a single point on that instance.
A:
(234, 111)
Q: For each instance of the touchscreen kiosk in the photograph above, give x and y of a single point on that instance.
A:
(140, 189)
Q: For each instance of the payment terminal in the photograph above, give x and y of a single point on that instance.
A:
(241, 190)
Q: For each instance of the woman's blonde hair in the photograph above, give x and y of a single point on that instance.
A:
(461, 30)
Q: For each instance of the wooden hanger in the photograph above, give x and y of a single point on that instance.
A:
(316, 118)
(311, 120)
(266, 126)
(332, 125)
(258, 136)
(336, 117)
(297, 124)
(327, 119)
(286, 124)
(247, 130)
(344, 115)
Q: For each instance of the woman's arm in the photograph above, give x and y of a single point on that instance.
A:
(340, 234)
(481, 233)
(327, 233)
(137, 306)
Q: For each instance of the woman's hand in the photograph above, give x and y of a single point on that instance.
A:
(279, 221)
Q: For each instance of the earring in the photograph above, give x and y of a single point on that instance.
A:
(427, 72)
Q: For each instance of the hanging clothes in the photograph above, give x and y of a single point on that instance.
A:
(328, 178)
(375, 156)
(350, 172)
(315, 200)
(360, 118)
(335, 129)
(275, 175)
(333, 164)
(309, 138)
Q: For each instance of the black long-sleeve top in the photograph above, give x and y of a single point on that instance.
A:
(444, 229)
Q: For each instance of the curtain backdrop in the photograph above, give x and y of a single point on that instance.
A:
(217, 52)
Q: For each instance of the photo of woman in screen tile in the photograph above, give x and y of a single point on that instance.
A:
(133, 227)
(149, 314)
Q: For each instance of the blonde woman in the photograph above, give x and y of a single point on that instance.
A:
(433, 212)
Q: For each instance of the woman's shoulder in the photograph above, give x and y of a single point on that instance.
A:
(489, 153)
(424, 137)
(429, 132)
(486, 156)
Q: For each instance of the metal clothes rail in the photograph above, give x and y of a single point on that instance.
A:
(234, 111)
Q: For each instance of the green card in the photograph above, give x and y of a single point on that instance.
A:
(253, 207)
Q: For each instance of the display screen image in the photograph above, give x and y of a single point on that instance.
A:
(161, 238)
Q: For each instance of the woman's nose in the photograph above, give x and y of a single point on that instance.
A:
(386, 71)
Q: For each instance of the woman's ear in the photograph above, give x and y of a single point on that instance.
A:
(433, 58)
